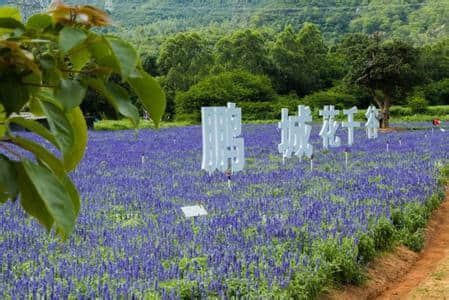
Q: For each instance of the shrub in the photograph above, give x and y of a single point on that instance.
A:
(415, 240)
(417, 104)
(366, 248)
(383, 234)
(259, 111)
(236, 86)
(329, 97)
(437, 92)
(340, 260)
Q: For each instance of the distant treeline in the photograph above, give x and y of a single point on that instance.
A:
(264, 70)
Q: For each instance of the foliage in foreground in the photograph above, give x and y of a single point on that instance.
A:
(46, 66)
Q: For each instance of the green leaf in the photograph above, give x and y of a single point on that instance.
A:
(79, 58)
(73, 193)
(51, 202)
(70, 37)
(150, 94)
(32, 81)
(13, 95)
(78, 123)
(52, 162)
(30, 199)
(38, 22)
(35, 127)
(9, 187)
(117, 97)
(70, 93)
(125, 55)
(41, 154)
(46, 95)
(35, 107)
(47, 62)
(10, 12)
(60, 127)
(10, 23)
(99, 48)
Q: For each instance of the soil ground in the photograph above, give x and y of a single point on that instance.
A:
(404, 274)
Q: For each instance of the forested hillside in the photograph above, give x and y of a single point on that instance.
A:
(419, 21)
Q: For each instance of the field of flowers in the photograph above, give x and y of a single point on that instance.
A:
(278, 232)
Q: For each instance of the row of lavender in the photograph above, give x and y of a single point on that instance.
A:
(133, 240)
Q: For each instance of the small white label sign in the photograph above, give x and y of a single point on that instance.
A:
(194, 211)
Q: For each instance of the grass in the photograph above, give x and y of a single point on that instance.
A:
(125, 124)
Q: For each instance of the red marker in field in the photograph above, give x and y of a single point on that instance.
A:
(437, 122)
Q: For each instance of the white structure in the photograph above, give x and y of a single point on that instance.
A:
(194, 211)
(350, 124)
(223, 149)
(372, 124)
(330, 127)
(295, 133)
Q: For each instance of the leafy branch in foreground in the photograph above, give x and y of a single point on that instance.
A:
(46, 66)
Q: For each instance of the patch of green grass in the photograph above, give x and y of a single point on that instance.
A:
(125, 124)
(439, 275)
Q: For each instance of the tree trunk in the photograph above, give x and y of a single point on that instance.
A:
(385, 117)
(384, 106)
(385, 112)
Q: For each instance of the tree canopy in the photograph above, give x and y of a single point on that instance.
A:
(387, 68)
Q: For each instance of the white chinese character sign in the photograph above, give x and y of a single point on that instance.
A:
(329, 127)
(350, 124)
(295, 133)
(372, 124)
(223, 149)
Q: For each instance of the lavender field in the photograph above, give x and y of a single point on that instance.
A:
(261, 239)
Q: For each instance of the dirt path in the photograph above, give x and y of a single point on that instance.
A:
(404, 274)
(435, 252)
(436, 286)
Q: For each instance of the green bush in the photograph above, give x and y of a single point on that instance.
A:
(417, 104)
(437, 92)
(415, 240)
(235, 86)
(383, 235)
(340, 260)
(259, 111)
(366, 248)
(253, 111)
(319, 99)
(362, 95)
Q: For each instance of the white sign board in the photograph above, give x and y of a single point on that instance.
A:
(350, 124)
(223, 149)
(329, 127)
(295, 133)
(372, 124)
(193, 211)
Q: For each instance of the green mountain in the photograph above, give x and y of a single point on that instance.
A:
(419, 21)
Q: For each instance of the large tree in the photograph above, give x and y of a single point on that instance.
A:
(183, 60)
(388, 68)
(289, 60)
(46, 66)
(300, 59)
(245, 50)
